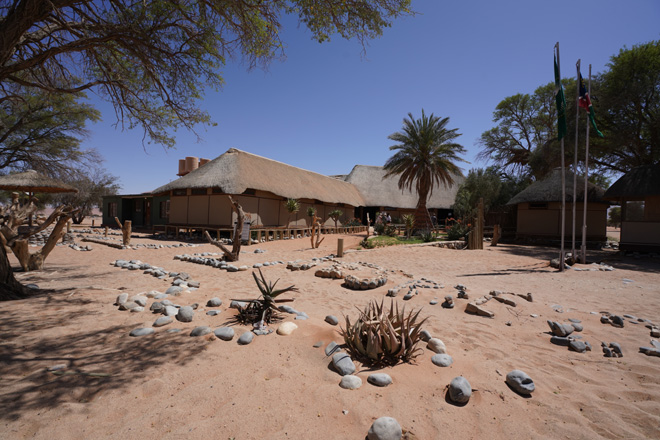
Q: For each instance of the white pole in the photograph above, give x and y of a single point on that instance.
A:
(575, 157)
(583, 250)
(563, 184)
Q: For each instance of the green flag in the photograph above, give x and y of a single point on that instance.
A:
(561, 104)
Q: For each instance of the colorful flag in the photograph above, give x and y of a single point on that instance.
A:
(561, 104)
(585, 102)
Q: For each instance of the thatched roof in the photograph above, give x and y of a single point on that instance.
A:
(549, 190)
(378, 191)
(236, 170)
(636, 184)
(32, 181)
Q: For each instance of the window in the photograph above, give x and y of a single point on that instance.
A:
(165, 209)
(250, 192)
(179, 192)
(198, 192)
(112, 209)
(634, 211)
(138, 206)
(217, 190)
(538, 205)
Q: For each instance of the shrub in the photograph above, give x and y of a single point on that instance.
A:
(367, 244)
(354, 222)
(427, 236)
(311, 211)
(379, 228)
(383, 337)
(390, 230)
(457, 231)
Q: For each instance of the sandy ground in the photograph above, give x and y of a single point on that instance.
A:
(173, 386)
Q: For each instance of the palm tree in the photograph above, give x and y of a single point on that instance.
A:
(425, 158)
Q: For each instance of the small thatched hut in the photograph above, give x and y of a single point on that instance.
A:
(539, 209)
(261, 186)
(383, 194)
(638, 192)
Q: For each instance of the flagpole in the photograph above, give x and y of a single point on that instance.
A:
(575, 155)
(583, 250)
(563, 183)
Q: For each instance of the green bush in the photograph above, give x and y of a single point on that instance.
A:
(457, 231)
(367, 244)
(390, 230)
(379, 228)
(354, 222)
(427, 236)
(383, 337)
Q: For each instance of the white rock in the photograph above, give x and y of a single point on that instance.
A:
(437, 346)
(286, 328)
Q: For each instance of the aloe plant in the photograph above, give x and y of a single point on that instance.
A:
(262, 311)
(380, 336)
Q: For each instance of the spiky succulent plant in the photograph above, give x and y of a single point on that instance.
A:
(381, 336)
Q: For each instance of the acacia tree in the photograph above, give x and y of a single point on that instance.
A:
(152, 58)
(425, 158)
(91, 187)
(627, 107)
(43, 131)
(626, 99)
(524, 141)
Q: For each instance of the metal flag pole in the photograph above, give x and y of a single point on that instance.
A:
(583, 249)
(575, 157)
(563, 182)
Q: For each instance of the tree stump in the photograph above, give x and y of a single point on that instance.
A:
(125, 231)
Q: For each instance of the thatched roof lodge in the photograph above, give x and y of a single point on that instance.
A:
(638, 192)
(539, 209)
(383, 194)
(261, 186)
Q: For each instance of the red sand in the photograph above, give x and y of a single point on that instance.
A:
(171, 386)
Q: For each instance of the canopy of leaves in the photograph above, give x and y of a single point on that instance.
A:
(425, 157)
(495, 188)
(153, 58)
(524, 142)
(425, 154)
(626, 100)
(628, 109)
(43, 131)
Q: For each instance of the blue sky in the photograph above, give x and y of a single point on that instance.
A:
(328, 107)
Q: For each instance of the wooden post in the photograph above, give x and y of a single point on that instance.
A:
(106, 231)
(476, 237)
(340, 247)
(125, 230)
(92, 223)
(68, 227)
(496, 235)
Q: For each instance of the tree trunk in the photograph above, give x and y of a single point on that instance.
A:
(36, 260)
(235, 252)
(422, 217)
(10, 288)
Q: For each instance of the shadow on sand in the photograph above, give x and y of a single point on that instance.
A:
(94, 362)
